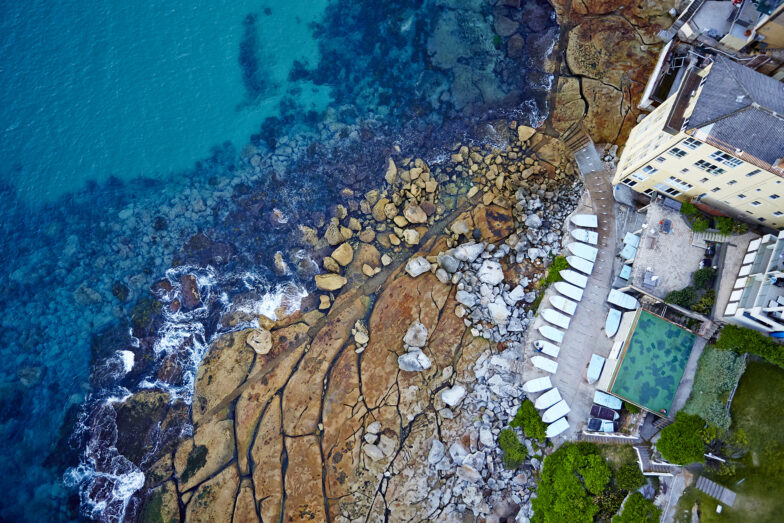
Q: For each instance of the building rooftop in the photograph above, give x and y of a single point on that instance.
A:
(741, 109)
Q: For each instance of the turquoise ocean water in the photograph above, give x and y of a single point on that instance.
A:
(149, 146)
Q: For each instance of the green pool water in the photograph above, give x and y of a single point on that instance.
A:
(653, 363)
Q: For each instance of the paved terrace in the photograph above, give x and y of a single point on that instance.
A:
(585, 335)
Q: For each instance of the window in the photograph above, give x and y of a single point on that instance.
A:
(732, 182)
(778, 213)
(752, 173)
(760, 219)
(691, 143)
(741, 196)
(716, 189)
(703, 180)
(774, 196)
(678, 183)
(677, 152)
(756, 203)
(644, 173)
(667, 190)
(726, 159)
(649, 170)
(660, 158)
(715, 170)
(629, 182)
(648, 192)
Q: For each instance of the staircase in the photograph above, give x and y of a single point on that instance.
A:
(611, 439)
(575, 137)
(580, 144)
(651, 467)
(668, 34)
(716, 491)
(662, 422)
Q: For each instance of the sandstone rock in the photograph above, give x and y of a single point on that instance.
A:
(414, 361)
(391, 174)
(417, 266)
(304, 491)
(162, 504)
(387, 445)
(453, 396)
(400, 221)
(415, 214)
(343, 254)
(411, 236)
(211, 448)
(416, 335)
(222, 370)
(390, 210)
(245, 506)
(524, 133)
(333, 234)
(331, 265)
(330, 282)
(490, 272)
(260, 340)
(324, 302)
(378, 210)
(266, 452)
(215, 498)
(361, 338)
(367, 235)
(386, 259)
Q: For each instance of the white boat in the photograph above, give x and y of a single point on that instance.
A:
(563, 304)
(559, 410)
(583, 235)
(537, 384)
(581, 264)
(585, 220)
(568, 290)
(595, 368)
(551, 333)
(606, 400)
(574, 277)
(583, 250)
(540, 362)
(548, 399)
(556, 318)
(613, 322)
(621, 299)
(556, 427)
(545, 347)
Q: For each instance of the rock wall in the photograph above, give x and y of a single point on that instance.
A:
(312, 417)
(607, 51)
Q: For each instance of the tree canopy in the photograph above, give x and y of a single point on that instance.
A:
(637, 509)
(682, 443)
(529, 420)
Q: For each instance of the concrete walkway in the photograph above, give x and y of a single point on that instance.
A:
(585, 335)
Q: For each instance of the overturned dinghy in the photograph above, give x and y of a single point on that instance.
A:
(557, 427)
(583, 250)
(563, 304)
(581, 264)
(548, 399)
(621, 299)
(545, 347)
(585, 220)
(574, 277)
(540, 362)
(568, 290)
(612, 323)
(537, 384)
(595, 368)
(556, 318)
(559, 410)
(551, 333)
(583, 235)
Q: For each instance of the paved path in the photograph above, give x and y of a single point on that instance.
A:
(585, 335)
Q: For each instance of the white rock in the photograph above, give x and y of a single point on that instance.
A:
(373, 452)
(533, 221)
(498, 311)
(491, 272)
(517, 294)
(416, 335)
(361, 338)
(414, 361)
(417, 266)
(468, 251)
(387, 444)
(374, 428)
(453, 396)
(469, 473)
(466, 298)
(457, 452)
(370, 438)
(411, 236)
(437, 452)
(486, 437)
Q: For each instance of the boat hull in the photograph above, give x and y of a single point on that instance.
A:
(585, 220)
(545, 347)
(612, 323)
(583, 235)
(556, 318)
(569, 290)
(563, 304)
(583, 250)
(581, 264)
(574, 277)
(551, 333)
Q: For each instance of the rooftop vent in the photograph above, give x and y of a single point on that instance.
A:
(739, 98)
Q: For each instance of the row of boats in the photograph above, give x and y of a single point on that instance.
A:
(558, 316)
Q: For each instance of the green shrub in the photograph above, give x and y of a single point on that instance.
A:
(700, 224)
(681, 443)
(741, 339)
(689, 209)
(514, 451)
(553, 272)
(629, 476)
(705, 304)
(637, 509)
(609, 503)
(529, 420)
(741, 227)
(703, 277)
(571, 478)
(631, 408)
(725, 225)
(685, 297)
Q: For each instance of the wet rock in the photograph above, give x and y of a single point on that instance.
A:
(524, 133)
(417, 266)
(378, 210)
(84, 295)
(391, 173)
(367, 235)
(414, 361)
(331, 265)
(411, 236)
(330, 282)
(324, 302)
(515, 46)
(333, 234)
(415, 214)
(416, 335)
(189, 292)
(343, 254)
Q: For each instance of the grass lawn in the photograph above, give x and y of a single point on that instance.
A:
(758, 409)
(617, 455)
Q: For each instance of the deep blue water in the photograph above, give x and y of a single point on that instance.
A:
(144, 143)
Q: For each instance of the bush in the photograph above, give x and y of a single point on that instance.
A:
(528, 419)
(514, 451)
(637, 509)
(741, 339)
(631, 408)
(629, 476)
(717, 373)
(688, 209)
(685, 297)
(609, 503)
(705, 304)
(569, 476)
(700, 224)
(681, 443)
(553, 272)
(703, 277)
(725, 225)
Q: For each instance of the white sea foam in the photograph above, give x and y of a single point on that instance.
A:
(127, 357)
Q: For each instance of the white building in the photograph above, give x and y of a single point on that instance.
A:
(757, 299)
